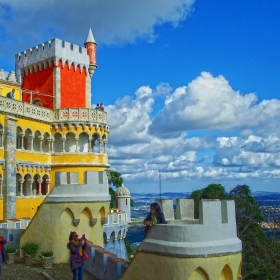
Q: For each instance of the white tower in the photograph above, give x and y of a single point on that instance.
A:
(123, 200)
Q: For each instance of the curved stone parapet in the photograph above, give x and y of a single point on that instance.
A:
(189, 241)
(214, 233)
(188, 248)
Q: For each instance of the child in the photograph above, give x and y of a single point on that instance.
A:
(3, 254)
(154, 217)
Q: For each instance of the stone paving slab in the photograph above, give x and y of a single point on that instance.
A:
(19, 271)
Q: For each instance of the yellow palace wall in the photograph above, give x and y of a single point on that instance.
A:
(27, 206)
(58, 222)
(6, 87)
(152, 266)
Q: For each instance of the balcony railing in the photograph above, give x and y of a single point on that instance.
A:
(27, 110)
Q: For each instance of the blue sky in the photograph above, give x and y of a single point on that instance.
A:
(191, 87)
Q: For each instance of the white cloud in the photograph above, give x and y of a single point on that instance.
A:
(210, 103)
(112, 21)
(138, 153)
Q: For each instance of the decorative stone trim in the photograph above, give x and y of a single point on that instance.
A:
(76, 222)
(83, 116)
(93, 222)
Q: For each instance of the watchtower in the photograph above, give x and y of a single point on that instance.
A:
(123, 200)
(57, 74)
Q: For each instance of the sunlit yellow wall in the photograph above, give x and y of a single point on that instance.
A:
(6, 87)
(27, 207)
(153, 266)
(79, 159)
(68, 162)
(33, 125)
(56, 220)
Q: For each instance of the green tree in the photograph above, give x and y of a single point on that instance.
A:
(115, 181)
(248, 211)
(212, 191)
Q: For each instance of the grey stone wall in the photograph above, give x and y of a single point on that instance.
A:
(12, 236)
(9, 183)
(117, 247)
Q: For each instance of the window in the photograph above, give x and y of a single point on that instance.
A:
(10, 235)
(4, 226)
(37, 102)
(17, 225)
(100, 177)
(126, 202)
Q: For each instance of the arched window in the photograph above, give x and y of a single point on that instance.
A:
(26, 185)
(46, 143)
(95, 143)
(70, 143)
(37, 102)
(36, 141)
(57, 143)
(83, 142)
(27, 139)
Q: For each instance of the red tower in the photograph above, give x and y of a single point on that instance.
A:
(57, 74)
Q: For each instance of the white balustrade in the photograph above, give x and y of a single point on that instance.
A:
(20, 108)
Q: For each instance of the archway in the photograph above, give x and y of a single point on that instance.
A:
(18, 183)
(36, 141)
(19, 137)
(104, 143)
(83, 142)
(35, 185)
(26, 185)
(46, 143)
(37, 102)
(57, 143)
(70, 143)
(45, 185)
(95, 143)
(27, 139)
(199, 274)
(226, 273)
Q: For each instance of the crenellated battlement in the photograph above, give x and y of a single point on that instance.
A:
(103, 264)
(214, 233)
(211, 211)
(49, 53)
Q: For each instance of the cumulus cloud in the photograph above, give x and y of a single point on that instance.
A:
(140, 145)
(112, 21)
(210, 103)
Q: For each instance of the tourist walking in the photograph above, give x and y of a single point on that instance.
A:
(76, 247)
(154, 217)
(3, 254)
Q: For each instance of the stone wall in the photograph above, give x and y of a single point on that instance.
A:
(104, 265)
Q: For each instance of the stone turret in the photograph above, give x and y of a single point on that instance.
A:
(90, 44)
(123, 201)
(188, 248)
